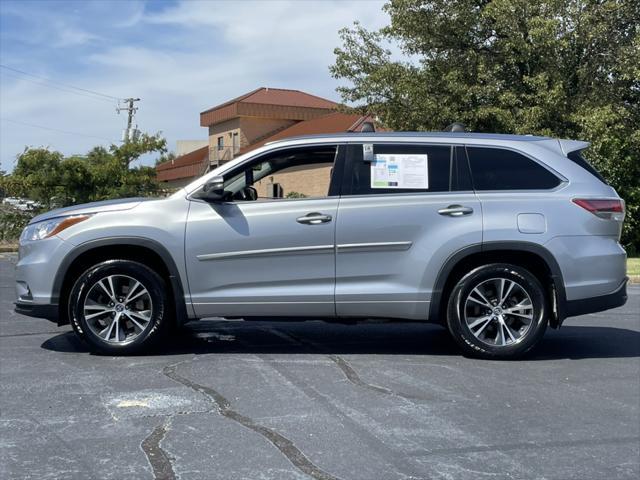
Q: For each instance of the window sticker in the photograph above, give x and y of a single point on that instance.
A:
(400, 171)
(367, 152)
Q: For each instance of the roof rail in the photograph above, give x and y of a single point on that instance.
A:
(456, 127)
(368, 127)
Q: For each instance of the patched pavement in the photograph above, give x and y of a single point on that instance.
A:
(279, 400)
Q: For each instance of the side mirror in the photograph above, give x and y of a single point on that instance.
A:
(213, 190)
(215, 184)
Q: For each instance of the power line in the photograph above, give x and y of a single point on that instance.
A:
(86, 90)
(93, 97)
(17, 122)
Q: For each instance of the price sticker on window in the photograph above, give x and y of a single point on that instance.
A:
(400, 171)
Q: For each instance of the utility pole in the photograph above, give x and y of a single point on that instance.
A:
(130, 133)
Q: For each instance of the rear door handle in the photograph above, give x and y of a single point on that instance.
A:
(456, 211)
(314, 218)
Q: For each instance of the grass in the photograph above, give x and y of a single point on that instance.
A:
(633, 266)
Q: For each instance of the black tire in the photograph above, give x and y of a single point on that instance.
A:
(510, 343)
(160, 318)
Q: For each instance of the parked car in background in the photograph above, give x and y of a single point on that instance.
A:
(22, 204)
(493, 236)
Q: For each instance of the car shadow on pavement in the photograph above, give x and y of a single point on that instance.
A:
(218, 337)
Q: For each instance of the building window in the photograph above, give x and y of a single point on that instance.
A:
(220, 143)
(236, 142)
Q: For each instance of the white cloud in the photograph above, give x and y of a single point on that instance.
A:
(68, 36)
(192, 56)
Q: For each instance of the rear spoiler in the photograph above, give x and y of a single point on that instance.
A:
(568, 146)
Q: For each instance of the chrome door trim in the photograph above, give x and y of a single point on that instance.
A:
(263, 303)
(374, 246)
(383, 301)
(266, 251)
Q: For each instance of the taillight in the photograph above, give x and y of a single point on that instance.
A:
(610, 209)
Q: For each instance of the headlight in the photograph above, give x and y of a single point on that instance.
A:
(49, 228)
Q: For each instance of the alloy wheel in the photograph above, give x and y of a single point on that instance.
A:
(499, 312)
(118, 308)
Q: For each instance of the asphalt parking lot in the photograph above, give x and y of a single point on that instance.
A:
(278, 400)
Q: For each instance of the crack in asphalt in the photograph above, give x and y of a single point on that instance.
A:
(524, 445)
(223, 406)
(30, 334)
(354, 378)
(349, 372)
(157, 457)
(384, 452)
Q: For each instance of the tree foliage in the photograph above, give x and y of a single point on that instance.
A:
(564, 68)
(54, 181)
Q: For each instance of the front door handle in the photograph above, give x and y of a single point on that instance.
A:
(314, 218)
(456, 211)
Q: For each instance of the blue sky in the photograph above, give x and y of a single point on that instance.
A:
(179, 57)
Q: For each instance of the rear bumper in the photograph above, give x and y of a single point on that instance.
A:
(48, 311)
(583, 306)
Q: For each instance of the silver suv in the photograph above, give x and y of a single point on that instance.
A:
(493, 236)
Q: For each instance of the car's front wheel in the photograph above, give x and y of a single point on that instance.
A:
(119, 307)
(497, 311)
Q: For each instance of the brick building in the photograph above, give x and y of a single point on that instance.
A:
(251, 120)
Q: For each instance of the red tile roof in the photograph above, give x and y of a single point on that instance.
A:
(332, 123)
(269, 102)
(280, 97)
(185, 166)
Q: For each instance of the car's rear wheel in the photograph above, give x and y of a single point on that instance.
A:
(119, 307)
(497, 311)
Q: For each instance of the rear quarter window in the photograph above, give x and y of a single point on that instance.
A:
(577, 158)
(500, 169)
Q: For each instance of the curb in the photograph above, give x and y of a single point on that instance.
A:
(8, 249)
(634, 279)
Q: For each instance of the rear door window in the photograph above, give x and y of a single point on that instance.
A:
(501, 169)
(401, 168)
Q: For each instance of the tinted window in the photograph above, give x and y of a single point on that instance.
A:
(435, 169)
(303, 172)
(578, 159)
(499, 169)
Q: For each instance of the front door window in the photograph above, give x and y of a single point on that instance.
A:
(303, 172)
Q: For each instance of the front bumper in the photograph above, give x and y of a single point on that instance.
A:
(50, 312)
(38, 264)
(600, 303)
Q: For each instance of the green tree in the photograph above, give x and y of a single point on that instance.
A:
(39, 173)
(130, 151)
(566, 68)
(165, 157)
(52, 180)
